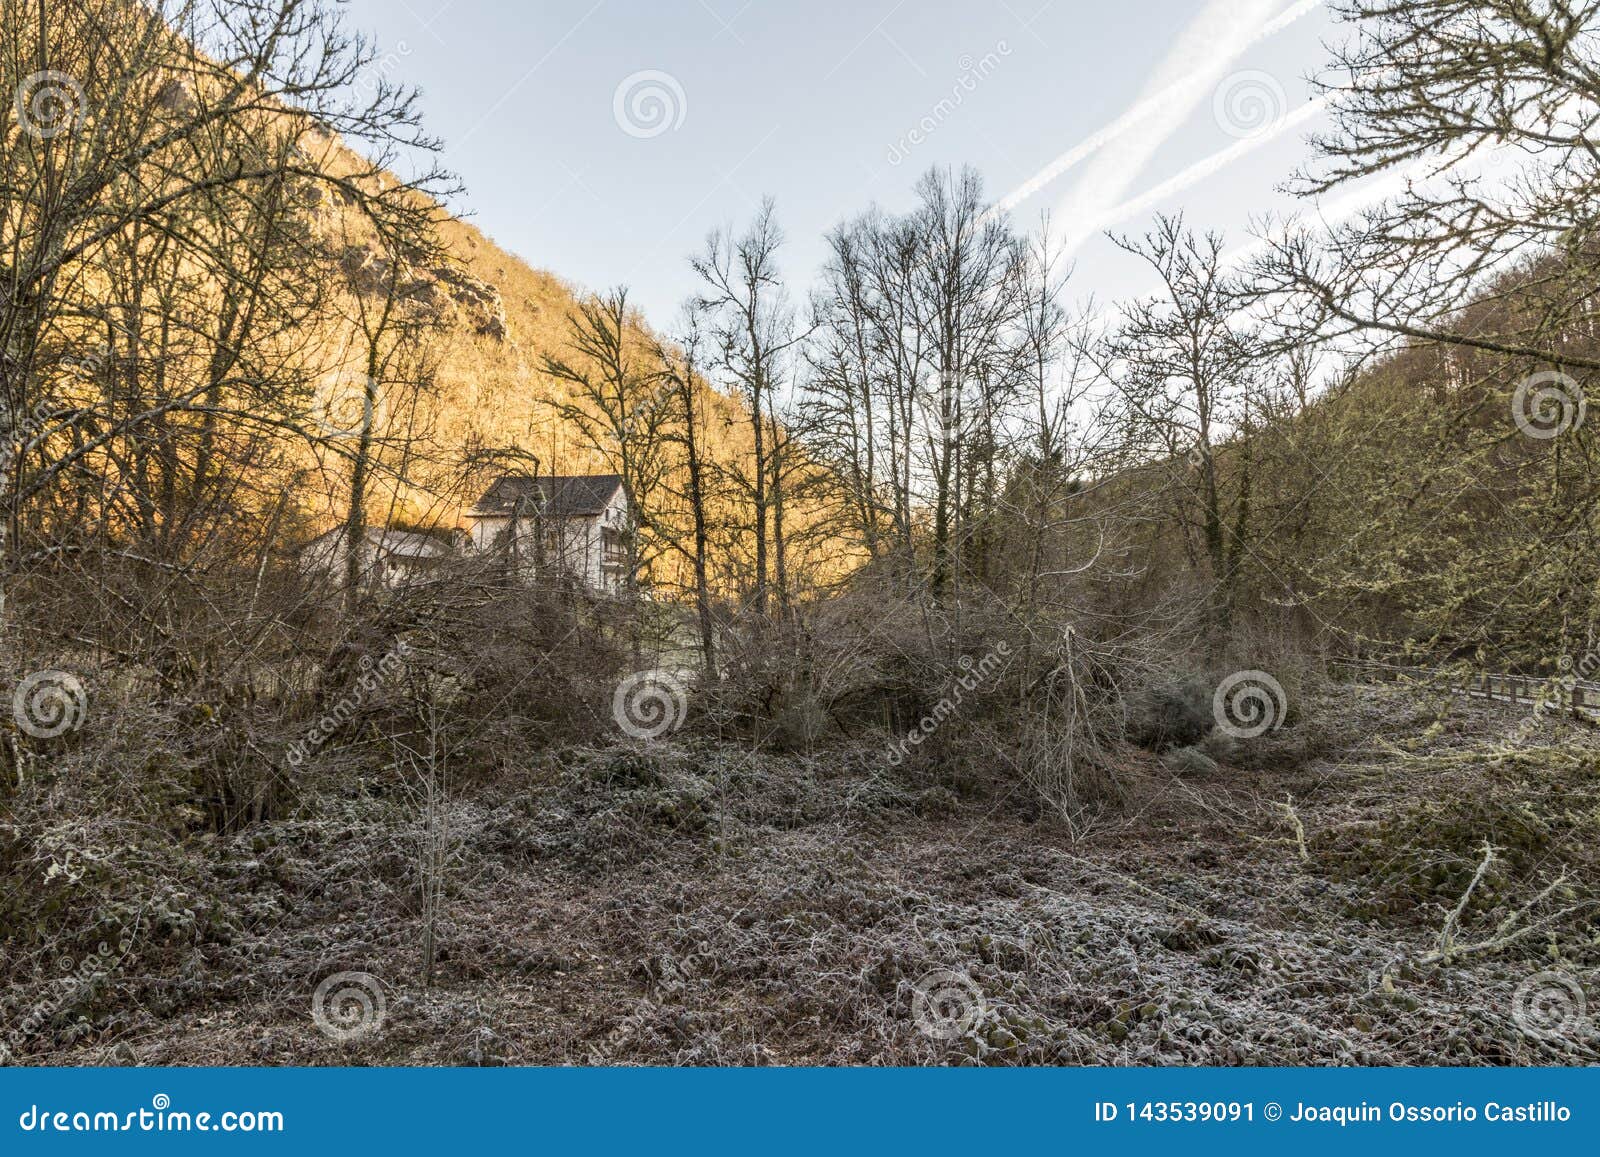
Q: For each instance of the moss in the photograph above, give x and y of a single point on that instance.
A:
(1533, 807)
(1189, 761)
(938, 803)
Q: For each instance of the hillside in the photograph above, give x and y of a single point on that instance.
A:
(493, 319)
(985, 694)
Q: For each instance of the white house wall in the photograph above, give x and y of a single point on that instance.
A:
(580, 542)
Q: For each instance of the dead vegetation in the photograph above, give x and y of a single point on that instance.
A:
(983, 647)
(703, 901)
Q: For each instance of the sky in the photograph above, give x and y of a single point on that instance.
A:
(603, 139)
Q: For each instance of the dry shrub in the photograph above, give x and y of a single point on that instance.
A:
(837, 669)
(1174, 712)
(972, 703)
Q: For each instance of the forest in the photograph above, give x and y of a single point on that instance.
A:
(990, 675)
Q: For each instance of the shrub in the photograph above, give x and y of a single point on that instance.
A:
(1170, 714)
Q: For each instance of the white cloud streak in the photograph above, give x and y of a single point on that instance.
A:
(1203, 169)
(1207, 47)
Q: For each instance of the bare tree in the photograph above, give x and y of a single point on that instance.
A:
(618, 401)
(1481, 112)
(967, 281)
(847, 383)
(753, 327)
(1185, 361)
(167, 176)
(681, 369)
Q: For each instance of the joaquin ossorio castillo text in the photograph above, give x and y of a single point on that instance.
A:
(1359, 1113)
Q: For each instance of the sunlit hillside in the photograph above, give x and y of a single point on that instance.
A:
(495, 317)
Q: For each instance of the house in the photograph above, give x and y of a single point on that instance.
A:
(575, 524)
(388, 558)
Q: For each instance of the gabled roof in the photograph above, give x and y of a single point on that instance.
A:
(398, 543)
(549, 496)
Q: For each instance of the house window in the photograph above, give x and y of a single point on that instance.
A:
(615, 545)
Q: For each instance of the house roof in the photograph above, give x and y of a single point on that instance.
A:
(399, 543)
(550, 496)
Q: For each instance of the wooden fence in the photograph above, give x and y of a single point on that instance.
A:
(1581, 697)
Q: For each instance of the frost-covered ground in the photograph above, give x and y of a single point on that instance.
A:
(694, 903)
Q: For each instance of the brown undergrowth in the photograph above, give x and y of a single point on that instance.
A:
(695, 902)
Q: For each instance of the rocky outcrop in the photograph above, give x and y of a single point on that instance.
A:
(478, 302)
(440, 292)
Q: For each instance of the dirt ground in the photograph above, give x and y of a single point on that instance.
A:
(693, 903)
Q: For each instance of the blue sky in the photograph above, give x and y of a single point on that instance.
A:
(602, 139)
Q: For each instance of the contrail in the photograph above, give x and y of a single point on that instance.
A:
(1187, 87)
(1202, 169)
